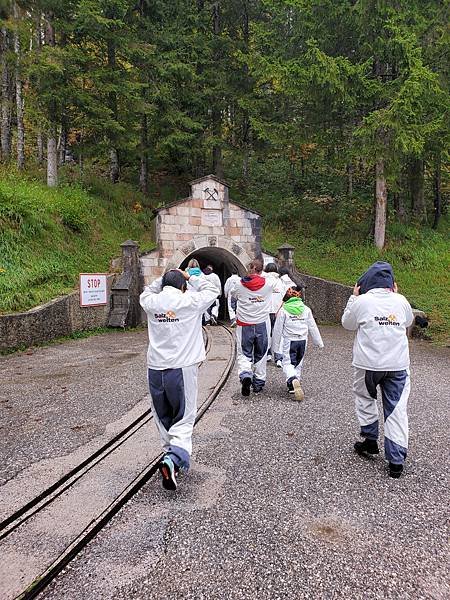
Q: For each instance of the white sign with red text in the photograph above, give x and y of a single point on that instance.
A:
(93, 289)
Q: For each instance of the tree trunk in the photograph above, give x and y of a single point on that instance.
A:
(246, 126)
(437, 193)
(52, 158)
(114, 166)
(350, 179)
(399, 207)
(216, 114)
(62, 147)
(6, 104)
(40, 147)
(380, 205)
(114, 169)
(143, 175)
(52, 142)
(416, 186)
(19, 96)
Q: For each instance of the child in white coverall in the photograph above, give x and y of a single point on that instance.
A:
(175, 350)
(380, 316)
(293, 323)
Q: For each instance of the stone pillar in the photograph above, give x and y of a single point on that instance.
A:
(286, 256)
(125, 308)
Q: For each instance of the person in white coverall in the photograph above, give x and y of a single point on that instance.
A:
(231, 302)
(380, 316)
(294, 323)
(271, 273)
(175, 350)
(254, 300)
(211, 316)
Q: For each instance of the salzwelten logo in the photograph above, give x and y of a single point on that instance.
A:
(256, 299)
(167, 317)
(390, 320)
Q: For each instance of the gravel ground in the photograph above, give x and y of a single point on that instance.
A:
(277, 505)
(56, 398)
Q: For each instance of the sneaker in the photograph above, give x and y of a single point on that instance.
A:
(298, 392)
(233, 323)
(245, 386)
(269, 358)
(368, 446)
(290, 387)
(167, 470)
(279, 364)
(257, 390)
(395, 470)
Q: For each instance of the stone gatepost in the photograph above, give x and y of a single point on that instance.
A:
(286, 259)
(125, 308)
(286, 256)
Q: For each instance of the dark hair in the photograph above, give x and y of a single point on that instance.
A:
(256, 265)
(175, 279)
(271, 268)
(284, 271)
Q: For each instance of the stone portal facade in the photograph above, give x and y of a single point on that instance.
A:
(207, 220)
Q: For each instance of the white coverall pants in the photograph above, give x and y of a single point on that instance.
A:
(252, 346)
(395, 387)
(293, 356)
(174, 408)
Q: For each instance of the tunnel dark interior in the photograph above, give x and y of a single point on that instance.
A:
(224, 264)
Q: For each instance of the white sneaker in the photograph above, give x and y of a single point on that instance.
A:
(269, 358)
(298, 392)
(279, 364)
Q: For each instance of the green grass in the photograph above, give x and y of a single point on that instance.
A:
(420, 260)
(49, 236)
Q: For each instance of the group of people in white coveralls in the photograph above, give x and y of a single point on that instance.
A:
(273, 323)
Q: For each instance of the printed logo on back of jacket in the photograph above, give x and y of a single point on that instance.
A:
(390, 320)
(167, 317)
(256, 299)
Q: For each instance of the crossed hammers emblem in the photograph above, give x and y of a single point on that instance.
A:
(211, 194)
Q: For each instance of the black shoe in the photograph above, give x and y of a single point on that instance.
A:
(168, 473)
(290, 387)
(245, 386)
(368, 446)
(395, 470)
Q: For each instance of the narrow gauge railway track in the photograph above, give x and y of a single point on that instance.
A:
(98, 523)
(52, 492)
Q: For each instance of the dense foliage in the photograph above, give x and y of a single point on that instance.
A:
(140, 86)
(330, 118)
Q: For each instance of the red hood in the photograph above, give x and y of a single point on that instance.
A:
(253, 282)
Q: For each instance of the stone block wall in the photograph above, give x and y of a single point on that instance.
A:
(57, 318)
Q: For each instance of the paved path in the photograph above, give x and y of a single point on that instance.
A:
(57, 398)
(277, 505)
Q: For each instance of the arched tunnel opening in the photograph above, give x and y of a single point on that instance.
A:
(224, 264)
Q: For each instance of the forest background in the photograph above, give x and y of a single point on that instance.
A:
(329, 117)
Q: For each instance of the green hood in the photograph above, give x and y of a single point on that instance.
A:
(294, 306)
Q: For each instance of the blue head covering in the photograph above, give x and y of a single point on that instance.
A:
(378, 275)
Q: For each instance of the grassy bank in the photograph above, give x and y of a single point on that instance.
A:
(48, 236)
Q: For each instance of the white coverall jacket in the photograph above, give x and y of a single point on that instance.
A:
(181, 344)
(381, 318)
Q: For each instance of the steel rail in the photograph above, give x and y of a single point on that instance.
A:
(96, 525)
(52, 492)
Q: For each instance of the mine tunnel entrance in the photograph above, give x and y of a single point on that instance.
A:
(224, 264)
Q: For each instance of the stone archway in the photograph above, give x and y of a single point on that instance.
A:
(219, 248)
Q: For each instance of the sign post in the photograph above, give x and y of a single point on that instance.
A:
(93, 291)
